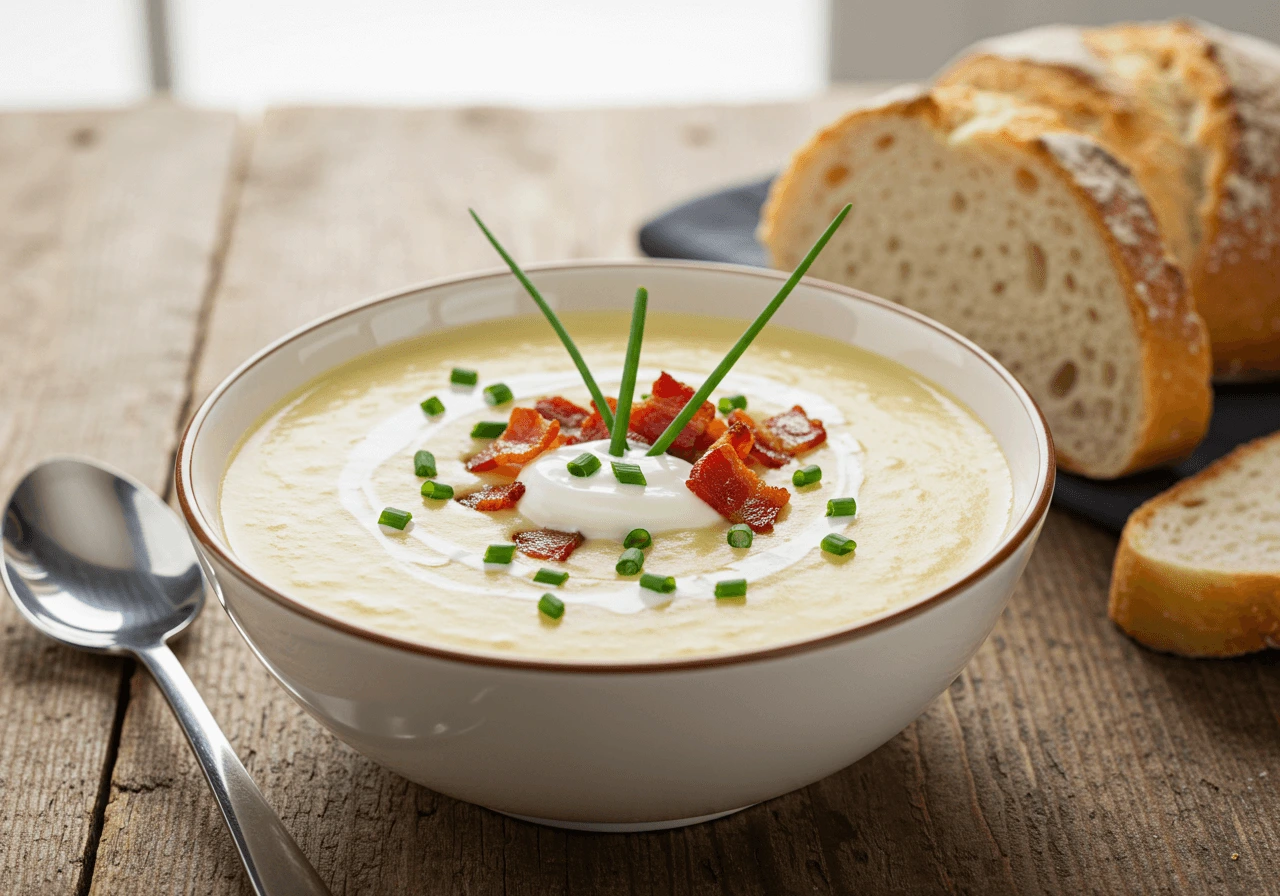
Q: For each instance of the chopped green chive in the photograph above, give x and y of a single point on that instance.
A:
(498, 393)
(661, 584)
(731, 588)
(637, 538)
(460, 376)
(646, 396)
(806, 475)
(842, 507)
(488, 429)
(722, 369)
(396, 519)
(628, 474)
(437, 491)
(740, 536)
(432, 407)
(546, 576)
(596, 395)
(835, 543)
(627, 389)
(424, 464)
(631, 562)
(583, 465)
(729, 403)
(551, 606)
(499, 553)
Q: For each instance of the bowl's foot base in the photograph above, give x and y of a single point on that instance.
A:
(627, 827)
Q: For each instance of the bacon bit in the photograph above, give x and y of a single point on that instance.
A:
(547, 544)
(566, 413)
(715, 429)
(593, 428)
(723, 480)
(761, 451)
(528, 434)
(793, 432)
(740, 441)
(493, 498)
(650, 418)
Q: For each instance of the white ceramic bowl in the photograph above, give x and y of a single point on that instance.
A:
(620, 746)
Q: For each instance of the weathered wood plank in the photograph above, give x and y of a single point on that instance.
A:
(108, 226)
(1064, 759)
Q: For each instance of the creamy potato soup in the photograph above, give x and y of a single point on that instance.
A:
(303, 494)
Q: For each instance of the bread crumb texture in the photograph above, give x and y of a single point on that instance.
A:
(1227, 522)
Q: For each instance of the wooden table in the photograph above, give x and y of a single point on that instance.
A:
(143, 253)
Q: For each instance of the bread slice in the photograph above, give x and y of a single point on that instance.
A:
(1198, 569)
(1073, 71)
(1194, 111)
(996, 219)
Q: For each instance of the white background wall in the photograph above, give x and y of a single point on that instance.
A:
(248, 53)
(72, 52)
(542, 52)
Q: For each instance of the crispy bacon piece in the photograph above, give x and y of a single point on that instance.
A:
(715, 429)
(566, 413)
(741, 442)
(722, 479)
(528, 435)
(493, 498)
(793, 432)
(761, 452)
(547, 544)
(650, 418)
(593, 428)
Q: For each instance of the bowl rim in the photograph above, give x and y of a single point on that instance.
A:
(1008, 545)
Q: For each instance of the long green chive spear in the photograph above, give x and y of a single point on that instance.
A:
(618, 436)
(682, 419)
(596, 395)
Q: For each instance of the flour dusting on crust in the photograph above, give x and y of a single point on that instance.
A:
(1059, 45)
(1126, 214)
(1253, 69)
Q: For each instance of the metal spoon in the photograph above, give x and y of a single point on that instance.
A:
(98, 561)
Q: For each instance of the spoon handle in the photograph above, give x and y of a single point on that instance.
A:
(275, 864)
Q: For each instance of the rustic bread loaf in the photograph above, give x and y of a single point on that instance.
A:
(1194, 112)
(1198, 569)
(995, 218)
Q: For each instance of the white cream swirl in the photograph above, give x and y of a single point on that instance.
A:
(599, 506)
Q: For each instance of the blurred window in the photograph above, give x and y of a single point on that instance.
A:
(250, 53)
(59, 53)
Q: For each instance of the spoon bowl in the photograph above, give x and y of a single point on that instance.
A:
(96, 560)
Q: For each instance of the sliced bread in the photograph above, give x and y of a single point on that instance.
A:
(1194, 111)
(995, 218)
(1198, 569)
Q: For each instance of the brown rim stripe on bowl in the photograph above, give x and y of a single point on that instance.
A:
(1010, 543)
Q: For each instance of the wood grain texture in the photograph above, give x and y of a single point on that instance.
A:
(108, 225)
(1063, 760)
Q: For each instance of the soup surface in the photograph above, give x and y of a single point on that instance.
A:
(301, 496)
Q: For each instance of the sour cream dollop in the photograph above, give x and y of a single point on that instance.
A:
(599, 506)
